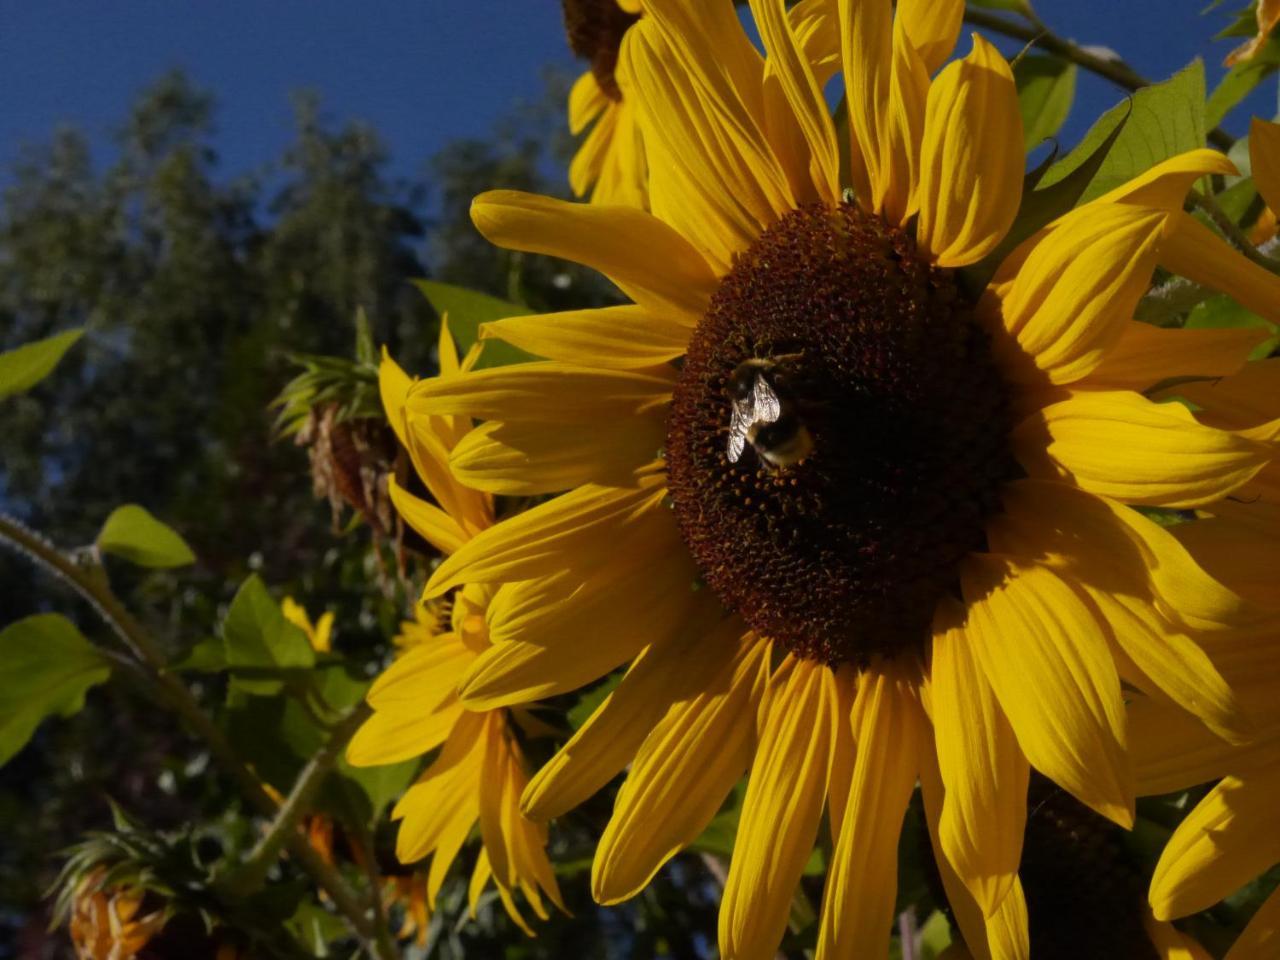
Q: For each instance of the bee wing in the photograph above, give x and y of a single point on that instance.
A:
(765, 405)
(739, 423)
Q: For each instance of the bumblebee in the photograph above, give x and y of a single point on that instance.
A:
(764, 415)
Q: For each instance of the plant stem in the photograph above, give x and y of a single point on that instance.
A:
(251, 874)
(92, 585)
(1232, 231)
(1116, 70)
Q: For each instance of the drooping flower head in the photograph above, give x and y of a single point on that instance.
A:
(849, 523)
(479, 773)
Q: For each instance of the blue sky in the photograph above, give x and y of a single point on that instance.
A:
(422, 71)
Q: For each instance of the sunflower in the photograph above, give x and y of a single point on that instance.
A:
(319, 634)
(479, 773)
(848, 524)
(610, 165)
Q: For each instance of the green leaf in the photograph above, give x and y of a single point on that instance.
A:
(1163, 120)
(1046, 89)
(46, 667)
(134, 534)
(256, 634)
(466, 310)
(1241, 80)
(1222, 311)
(25, 366)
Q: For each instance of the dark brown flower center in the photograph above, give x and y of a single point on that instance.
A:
(1083, 885)
(870, 429)
(595, 29)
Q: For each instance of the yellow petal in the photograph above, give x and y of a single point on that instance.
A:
(1046, 657)
(576, 528)
(431, 523)
(609, 739)
(1264, 156)
(680, 777)
(430, 440)
(1008, 932)
(933, 26)
(1261, 938)
(803, 95)
(1119, 444)
(713, 174)
(814, 23)
(908, 97)
(1077, 289)
(606, 621)
(1226, 841)
(1173, 661)
(857, 904)
(545, 392)
(982, 767)
(586, 101)
(1249, 398)
(866, 39)
(781, 811)
(646, 258)
(393, 387)
(626, 337)
(1165, 185)
(1145, 355)
(390, 737)
(588, 164)
(1194, 251)
(971, 171)
(424, 677)
(527, 459)
(444, 796)
(1236, 553)
(623, 178)
(1103, 544)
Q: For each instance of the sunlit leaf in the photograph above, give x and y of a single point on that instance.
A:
(25, 366)
(135, 535)
(467, 309)
(46, 667)
(256, 634)
(1046, 89)
(1163, 120)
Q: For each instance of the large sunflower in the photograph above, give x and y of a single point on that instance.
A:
(851, 525)
(479, 773)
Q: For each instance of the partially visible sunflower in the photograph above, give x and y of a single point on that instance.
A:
(106, 922)
(1233, 834)
(610, 165)
(1264, 159)
(479, 773)
(850, 526)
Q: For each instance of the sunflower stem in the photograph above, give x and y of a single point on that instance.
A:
(1035, 33)
(153, 668)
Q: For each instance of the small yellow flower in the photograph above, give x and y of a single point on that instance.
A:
(479, 774)
(319, 634)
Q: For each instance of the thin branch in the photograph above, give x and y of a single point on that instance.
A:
(251, 874)
(1232, 231)
(91, 584)
(1034, 32)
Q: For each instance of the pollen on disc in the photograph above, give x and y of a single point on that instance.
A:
(843, 552)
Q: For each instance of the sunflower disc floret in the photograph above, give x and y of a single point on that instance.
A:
(874, 353)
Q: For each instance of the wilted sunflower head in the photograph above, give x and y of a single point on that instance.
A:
(844, 509)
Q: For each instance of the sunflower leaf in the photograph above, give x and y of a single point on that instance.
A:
(1046, 89)
(256, 634)
(467, 309)
(135, 535)
(23, 367)
(1156, 123)
(46, 668)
